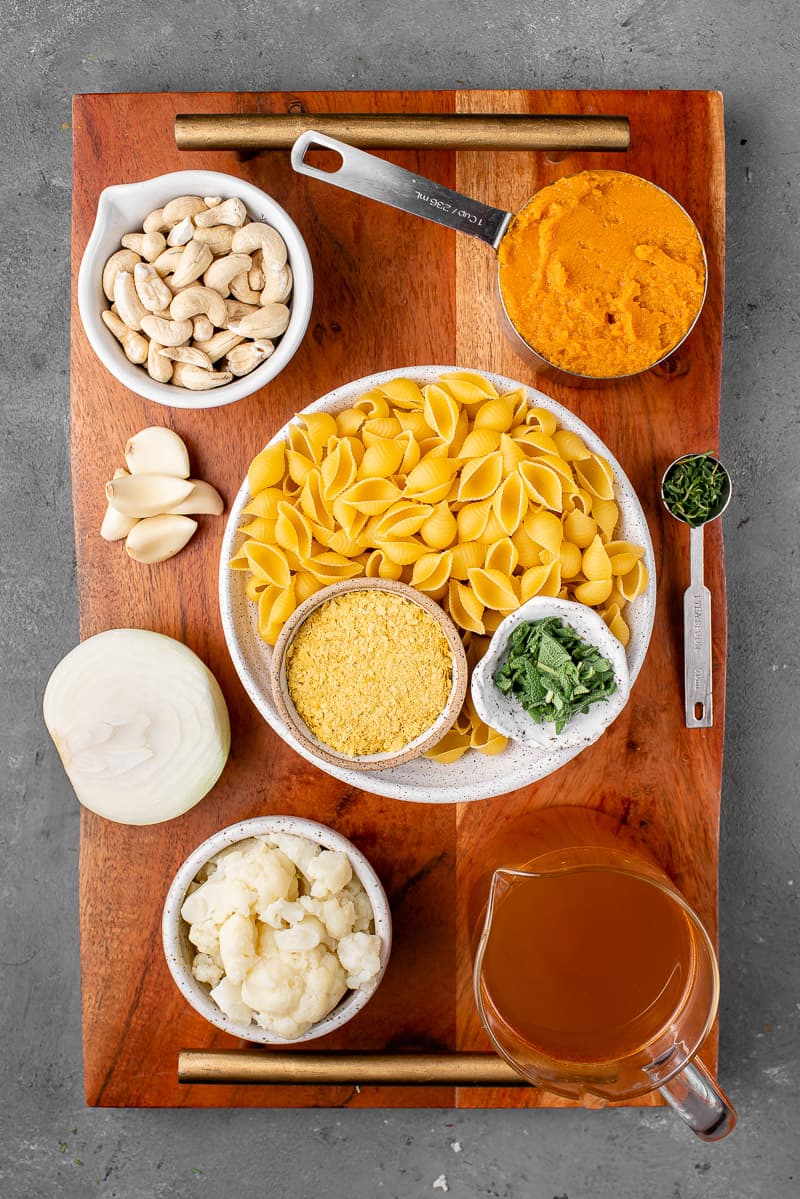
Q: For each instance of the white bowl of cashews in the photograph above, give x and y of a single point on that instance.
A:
(214, 304)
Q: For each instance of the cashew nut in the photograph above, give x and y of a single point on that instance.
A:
(166, 333)
(157, 451)
(229, 212)
(197, 299)
(236, 309)
(212, 201)
(202, 328)
(269, 321)
(115, 526)
(154, 222)
(255, 276)
(146, 495)
(166, 263)
(194, 378)
(180, 207)
(256, 236)
(222, 270)
(146, 245)
(246, 357)
(159, 537)
(240, 287)
(158, 367)
(203, 499)
(195, 258)
(277, 285)
(218, 238)
(189, 354)
(134, 345)
(219, 344)
(150, 287)
(181, 233)
(129, 306)
(123, 260)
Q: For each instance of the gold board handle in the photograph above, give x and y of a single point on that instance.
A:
(404, 131)
(253, 1066)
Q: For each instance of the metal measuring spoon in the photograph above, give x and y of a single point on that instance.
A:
(697, 681)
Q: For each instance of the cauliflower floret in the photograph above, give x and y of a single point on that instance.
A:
(338, 915)
(299, 850)
(306, 934)
(328, 873)
(292, 991)
(265, 871)
(281, 912)
(205, 936)
(216, 899)
(237, 946)
(206, 970)
(360, 954)
(364, 918)
(228, 997)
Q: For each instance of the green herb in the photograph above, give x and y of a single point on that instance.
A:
(695, 489)
(553, 673)
(62, 1146)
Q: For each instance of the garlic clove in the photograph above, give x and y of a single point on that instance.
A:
(203, 499)
(115, 526)
(157, 538)
(146, 494)
(157, 451)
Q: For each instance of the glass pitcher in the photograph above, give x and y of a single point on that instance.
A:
(594, 978)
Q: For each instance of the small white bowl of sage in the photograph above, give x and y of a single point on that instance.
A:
(554, 674)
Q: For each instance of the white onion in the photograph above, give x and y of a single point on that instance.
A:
(140, 724)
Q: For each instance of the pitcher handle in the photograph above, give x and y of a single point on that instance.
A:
(373, 177)
(700, 1101)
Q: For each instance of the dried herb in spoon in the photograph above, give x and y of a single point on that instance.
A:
(552, 673)
(694, 489)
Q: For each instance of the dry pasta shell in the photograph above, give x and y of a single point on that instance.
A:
(299, 466)
(480, 477)
(543, 419)
(465, 607)
(439, 530)
(382, 458)
(526, 548)
(268, 563)
(403, 519)
(533, 443)
(403, 552)
(570, 446)
(606, 513)
(467, 384)
(510, 503)
(493, 531)
(320, 427)
(492, 619)
(329, 566)
(552, 584)
(532, 582)
(302, 443)
(493, 589)
(349, 518)
(373, 404)
(432, 571)
(502, 555)
(487, 740)
(479, 443)
(634, 583)
(596, 563)
(377, 428)
(403, 392)
(304, 586)
(266, 469)
(571, 558)
(593, 593)
(542, 484)
(340, 543)
(338, 469)
(496, 414)
(253, 588)
(259, 529)
(512, 452)
(617, 625)
(472, 519)
(452, 746)
(293, 530)
(312, 503)
(466, 555)
(411, 451)
(546, 530)
(596, 476)
(349, 422)
(580, 529)
(274, 611)
(378, 566)
(371, 496)
(264, 503)
(441, 412)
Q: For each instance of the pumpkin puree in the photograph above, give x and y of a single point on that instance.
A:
(602, 273)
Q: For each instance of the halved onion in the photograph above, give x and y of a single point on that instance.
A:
(140, 724)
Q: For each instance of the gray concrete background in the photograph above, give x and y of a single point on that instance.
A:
(50, 1145)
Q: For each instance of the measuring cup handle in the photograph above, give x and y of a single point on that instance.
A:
(697, 642)
(367, 175)
(700, 1101)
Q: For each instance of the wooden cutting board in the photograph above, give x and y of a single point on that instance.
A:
(392, 291)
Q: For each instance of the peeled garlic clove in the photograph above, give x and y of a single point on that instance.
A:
(146, 494)
(157, 538)
(115, 526)
(157, 451)
(203, 499)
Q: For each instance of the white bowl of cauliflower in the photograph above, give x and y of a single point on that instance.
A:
(277, 930)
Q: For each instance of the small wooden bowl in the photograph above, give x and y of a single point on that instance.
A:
(420, 744)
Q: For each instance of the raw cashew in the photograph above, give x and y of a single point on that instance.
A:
(167, 333)
(159, 537)
(115, 526)
(203, 499)
(220, 273)
(255, 276)
(197, 299)
(181, 233)
(189, 354)
(147, 245)
(195, 258)
(212, 201)
(240, 287)
(150, 287)
(154, 222)
(167, 262)
(157, 451)
(277, 285)
(146, 495)
(221, 343)
(256, 235)
(194, 378)
(202, 328)
(158, 367)
(129, 306)
(180, 207)
(236, 309)
(229, 212)
(218, 238)
(134, 345)
(246, 357)
(123, 260)
(269, 321)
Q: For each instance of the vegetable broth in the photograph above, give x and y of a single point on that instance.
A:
(587, 965)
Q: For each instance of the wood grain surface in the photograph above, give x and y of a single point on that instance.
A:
(391, 291)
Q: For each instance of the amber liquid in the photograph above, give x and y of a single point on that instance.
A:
(586, 966)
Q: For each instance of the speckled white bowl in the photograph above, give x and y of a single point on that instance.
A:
(120, 210)
(179, 951)
(505, 713)
(474, 776)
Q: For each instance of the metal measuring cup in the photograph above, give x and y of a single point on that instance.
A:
(697, 677)
(373, 177)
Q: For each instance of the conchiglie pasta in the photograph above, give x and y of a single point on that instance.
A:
(475, 498)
